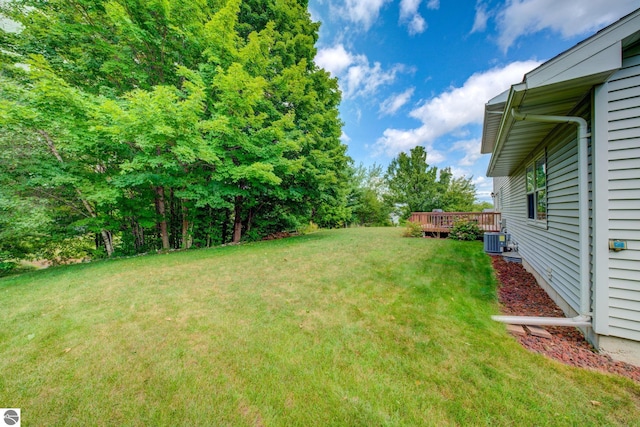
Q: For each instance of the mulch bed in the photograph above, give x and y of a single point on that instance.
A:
(520, 295)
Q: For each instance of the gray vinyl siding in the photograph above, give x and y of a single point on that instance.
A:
(623, 116)
(551, 248)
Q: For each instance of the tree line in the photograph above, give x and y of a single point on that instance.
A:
(410, 184)
(138, 125)
(157, 124)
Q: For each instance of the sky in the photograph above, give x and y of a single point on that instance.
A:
(418, 72)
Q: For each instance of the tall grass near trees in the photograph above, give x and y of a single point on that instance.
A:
(344, 327)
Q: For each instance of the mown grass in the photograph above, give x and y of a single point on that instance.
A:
(344, 327)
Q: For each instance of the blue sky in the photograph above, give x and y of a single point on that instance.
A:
(418, 72)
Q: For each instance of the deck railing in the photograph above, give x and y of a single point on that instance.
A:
(442, 222)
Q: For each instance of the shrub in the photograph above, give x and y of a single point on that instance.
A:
(6, 268)
(309, 228)
(465, 230)
(413, 229)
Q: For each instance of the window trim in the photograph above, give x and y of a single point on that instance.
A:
(533, 190)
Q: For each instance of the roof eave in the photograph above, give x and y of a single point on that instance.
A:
(572, 73)
(515, 97)
(492, 112)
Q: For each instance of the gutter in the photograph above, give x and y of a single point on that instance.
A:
(585, 316)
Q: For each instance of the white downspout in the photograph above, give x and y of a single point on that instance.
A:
(584, 317)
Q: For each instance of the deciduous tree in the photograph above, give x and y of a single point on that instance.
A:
(165, 123)
(414, 186)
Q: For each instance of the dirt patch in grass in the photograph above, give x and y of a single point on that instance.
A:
(279, 235)
(520, 295)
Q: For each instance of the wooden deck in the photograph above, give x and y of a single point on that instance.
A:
(435, 224)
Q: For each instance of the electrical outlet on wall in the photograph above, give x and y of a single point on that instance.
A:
(549, 273)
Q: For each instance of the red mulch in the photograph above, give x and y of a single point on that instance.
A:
(520, 295)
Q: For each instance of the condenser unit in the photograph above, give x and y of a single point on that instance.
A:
(494, 243)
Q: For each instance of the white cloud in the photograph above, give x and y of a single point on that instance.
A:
(417, 25)
(484, 188)
(334, 59)
(409, 15)
(459, 172)
(480, 21)
(460, 106)
(471, 150)
(362, 12)
(409, 8)
(392, 104)
(482, 182)
(433, 4)
(363, 79)
(435, 156)
(452, 110)
(393, 141)
(356, 76)
(345, 138)
(567, 17)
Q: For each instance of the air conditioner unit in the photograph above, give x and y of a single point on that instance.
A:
(494, 243)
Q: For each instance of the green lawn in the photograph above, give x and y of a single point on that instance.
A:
(342, 327)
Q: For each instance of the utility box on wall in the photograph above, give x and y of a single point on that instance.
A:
(617, 245)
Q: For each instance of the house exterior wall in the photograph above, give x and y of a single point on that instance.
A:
(551, 248)
(621, 271)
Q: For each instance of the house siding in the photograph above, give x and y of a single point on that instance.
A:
(623, 133)
(552, 250)
(599, 80)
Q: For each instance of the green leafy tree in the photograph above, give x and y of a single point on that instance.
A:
(415, 186)
(459, 196)
(479, 206)
(53, 119)
(168, 123)
(161, 130)
(368, 197)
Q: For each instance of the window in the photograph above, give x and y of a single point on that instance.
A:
(536, 182)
